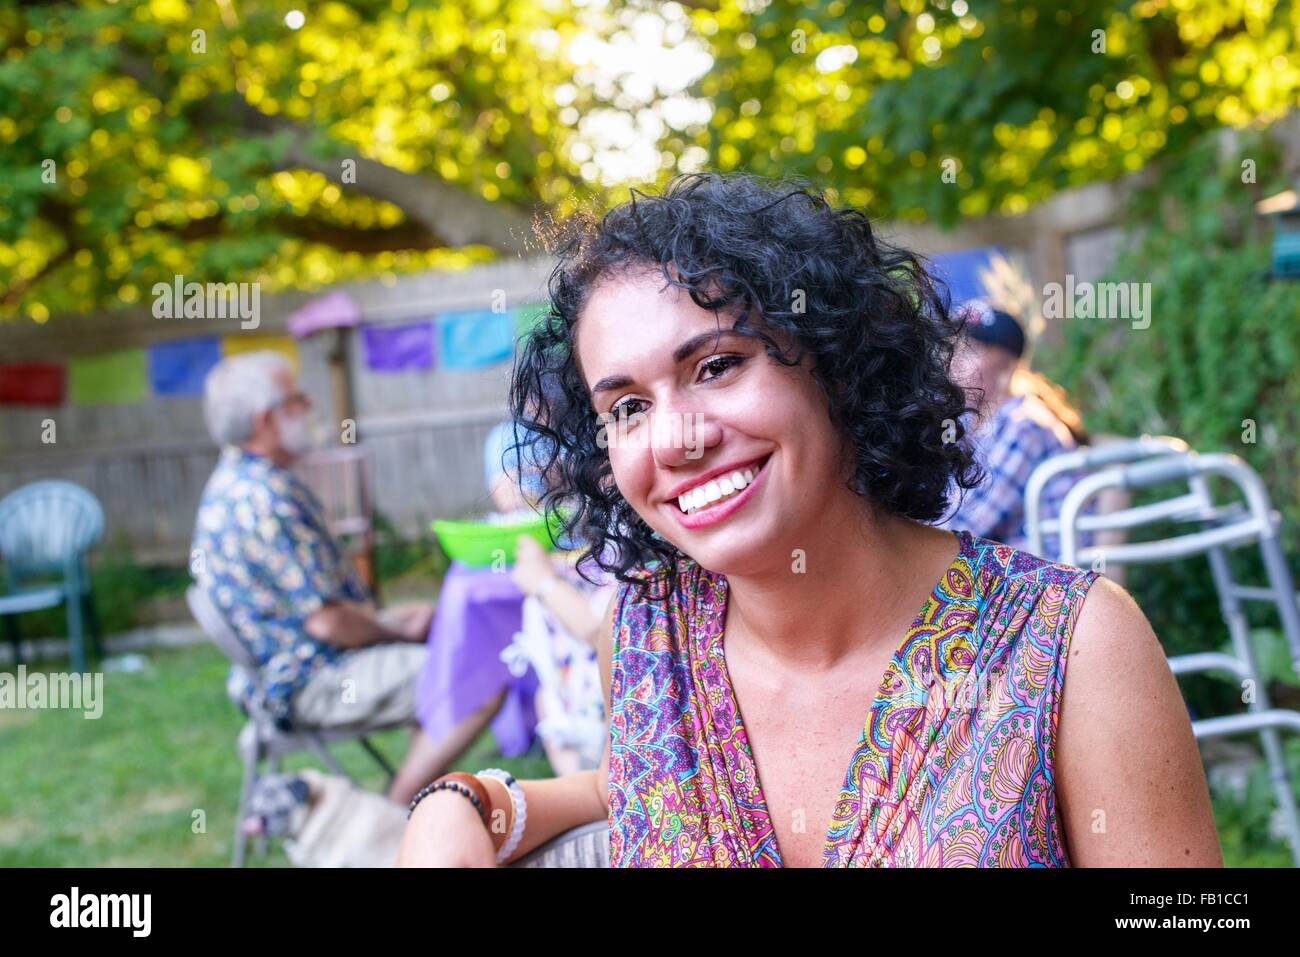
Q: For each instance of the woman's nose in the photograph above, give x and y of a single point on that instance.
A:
(678, 438)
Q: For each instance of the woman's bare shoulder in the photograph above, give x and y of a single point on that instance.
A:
(1130, 780)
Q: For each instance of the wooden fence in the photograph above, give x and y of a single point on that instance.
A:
(147, 462)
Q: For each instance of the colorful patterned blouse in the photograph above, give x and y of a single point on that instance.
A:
(955, 766)
(264, 553)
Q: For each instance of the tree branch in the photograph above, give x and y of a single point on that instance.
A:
(14, 293)
(403, 236)
(440, 208)
(59, 216)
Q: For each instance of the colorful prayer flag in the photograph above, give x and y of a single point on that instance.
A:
(327, 312)
(528, 316)
(31, 383)
(179, 366)
(109, 378)
(237, 344)
(399, 348)
(471, 340)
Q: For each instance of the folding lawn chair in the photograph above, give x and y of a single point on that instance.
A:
(261, 739)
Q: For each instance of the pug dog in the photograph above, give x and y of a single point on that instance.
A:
(324, 820)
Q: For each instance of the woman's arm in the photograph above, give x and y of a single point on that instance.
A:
(573, 610)
(533, 568)
(445, 830)
(1130, 783)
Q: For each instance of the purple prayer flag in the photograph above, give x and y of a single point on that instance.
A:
(399, 348)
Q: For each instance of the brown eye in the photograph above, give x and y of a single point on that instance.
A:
(718, 365)
(626, 408)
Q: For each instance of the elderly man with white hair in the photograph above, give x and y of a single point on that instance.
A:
(269, 563)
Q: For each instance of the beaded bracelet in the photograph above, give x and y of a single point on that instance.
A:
(464, 785)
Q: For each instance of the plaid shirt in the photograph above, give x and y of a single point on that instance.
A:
(1022, 434)
(263, 552)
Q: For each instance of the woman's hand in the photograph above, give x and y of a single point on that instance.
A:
(446, 831)
(532, 565)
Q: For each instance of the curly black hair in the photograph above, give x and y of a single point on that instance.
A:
(776, 256)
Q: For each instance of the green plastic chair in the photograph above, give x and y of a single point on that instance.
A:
(46, 532)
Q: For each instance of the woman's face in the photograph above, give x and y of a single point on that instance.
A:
(721, 450)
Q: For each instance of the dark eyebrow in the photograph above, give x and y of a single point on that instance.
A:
(610, 382)
(694, 342)
(680, 353)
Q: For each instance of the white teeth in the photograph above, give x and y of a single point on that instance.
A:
(715, 489)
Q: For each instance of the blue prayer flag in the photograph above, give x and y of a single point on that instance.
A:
(471, 340)
(179, 366)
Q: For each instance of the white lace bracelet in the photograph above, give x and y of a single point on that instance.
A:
(518, 803)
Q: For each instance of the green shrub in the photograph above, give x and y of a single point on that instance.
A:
(1220, 353)
(121, 588)
(396, 556)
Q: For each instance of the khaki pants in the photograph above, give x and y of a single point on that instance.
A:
(370, 686)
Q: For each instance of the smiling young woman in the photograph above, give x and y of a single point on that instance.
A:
(801, 671)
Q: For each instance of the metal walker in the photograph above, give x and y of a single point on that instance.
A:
(1213, 530)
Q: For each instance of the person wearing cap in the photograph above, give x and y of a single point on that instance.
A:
(1021, 419)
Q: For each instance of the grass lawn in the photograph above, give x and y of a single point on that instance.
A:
(124, 790)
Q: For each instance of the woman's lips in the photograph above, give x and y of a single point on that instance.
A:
(718, 510)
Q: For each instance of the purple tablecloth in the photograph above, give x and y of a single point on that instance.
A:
(478, 613)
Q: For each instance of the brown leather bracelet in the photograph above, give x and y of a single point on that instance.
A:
(481, 799)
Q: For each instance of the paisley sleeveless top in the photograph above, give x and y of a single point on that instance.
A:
(955, 764)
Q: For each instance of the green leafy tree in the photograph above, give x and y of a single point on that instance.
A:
(1216, 365)
(1011, 99)
(244, 140)
(141, 139)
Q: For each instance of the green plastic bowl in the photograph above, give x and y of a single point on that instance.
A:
(479, 544)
